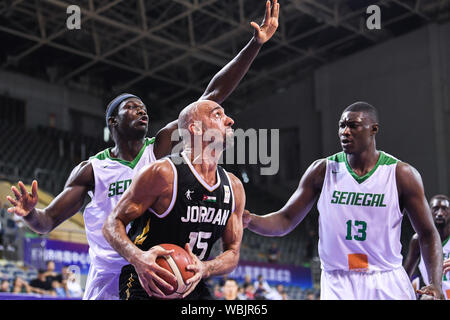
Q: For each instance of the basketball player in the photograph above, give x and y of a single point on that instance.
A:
(440, 209)
(105, 176)
(361, 195)
(187, 200)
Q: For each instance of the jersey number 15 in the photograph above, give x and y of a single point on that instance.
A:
(196, 240)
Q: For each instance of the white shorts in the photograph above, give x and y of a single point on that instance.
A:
(101, 285)
(375, 285)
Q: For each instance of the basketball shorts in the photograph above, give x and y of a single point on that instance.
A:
(374, 285)
(130, 288)
(101, 285)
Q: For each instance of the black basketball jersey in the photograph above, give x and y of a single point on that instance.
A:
(197, 215)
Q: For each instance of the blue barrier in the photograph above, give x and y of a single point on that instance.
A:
(22, 296)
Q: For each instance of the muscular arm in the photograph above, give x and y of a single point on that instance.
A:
(232, 237)
(413, 256)
(149, 184)
(228, 78)
(283, 221)
(65, 205)
(412, 198)
(218, 89)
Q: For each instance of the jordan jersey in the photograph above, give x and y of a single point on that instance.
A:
(198, 215)
(112, 177)
(360, 217)
(445, 277)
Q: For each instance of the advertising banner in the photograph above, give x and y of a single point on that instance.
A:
(274, 274)
(37, 251)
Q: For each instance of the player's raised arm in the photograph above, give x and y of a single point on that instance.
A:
(412, 197)
(283, 221)
(65, 205)
(149, 184)
(228, 78)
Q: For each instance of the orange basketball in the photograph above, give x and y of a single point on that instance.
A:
(176, 263)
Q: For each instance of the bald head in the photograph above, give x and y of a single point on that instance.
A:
(205, 121)
(187, 115)
(195, 112)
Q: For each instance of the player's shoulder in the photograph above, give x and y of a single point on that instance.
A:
(158, 168)
(82, 175)
(317, 170)
(83, 168)
(406, 173)
(155, 177)
(319, 164)
(101, 155)
(406, 168)
(235, 181)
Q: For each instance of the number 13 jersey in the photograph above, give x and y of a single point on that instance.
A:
(360, 217)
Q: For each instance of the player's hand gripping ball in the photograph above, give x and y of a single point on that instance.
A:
(175, 263)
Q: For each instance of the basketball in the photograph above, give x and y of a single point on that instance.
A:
(176, 263)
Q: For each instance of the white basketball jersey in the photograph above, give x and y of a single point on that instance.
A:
(360, 217)
(445, 277)
(112, 178)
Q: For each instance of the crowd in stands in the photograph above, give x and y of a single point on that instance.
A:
(230, 289)
(45, 282)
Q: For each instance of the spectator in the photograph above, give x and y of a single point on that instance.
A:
(59, 289)
(65, 273)
(241, 294)
(230, 290)
(5, 287)
(50, 273)
(276, 294)
(74, 287)
(250, 292)
(40, 284)
(311, 296)
(273, 254)
(247, 281)
(261, 288)
(20, 286)
(218, 292)
(260, 292)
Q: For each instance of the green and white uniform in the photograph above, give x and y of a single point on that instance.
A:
(112, 178)
(445, 277)
(359, 232)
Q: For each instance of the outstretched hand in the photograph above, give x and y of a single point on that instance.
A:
(269, 25)
(25, 201)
